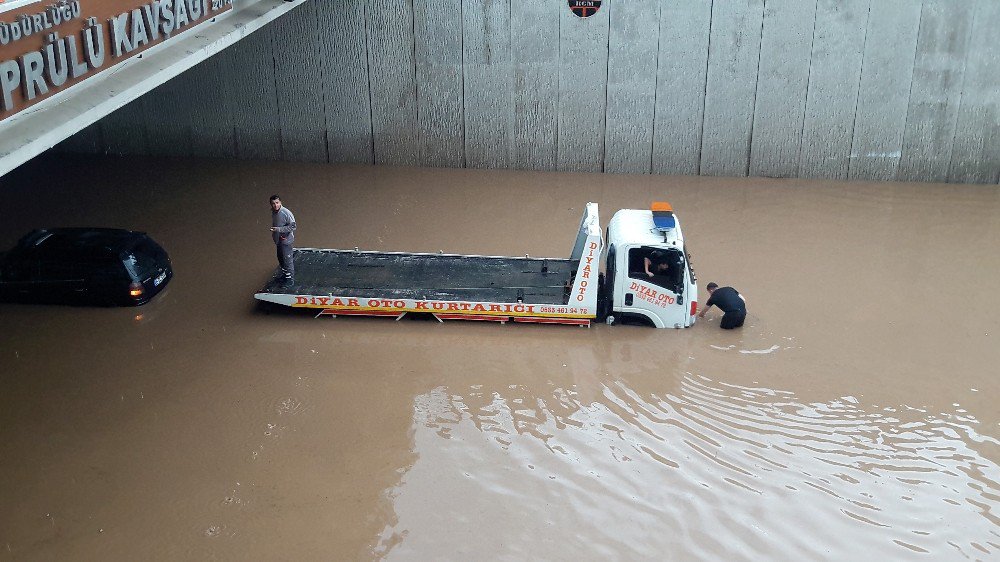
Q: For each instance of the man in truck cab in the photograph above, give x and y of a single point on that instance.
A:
(661, 267)
(656, 263)
(730, 301)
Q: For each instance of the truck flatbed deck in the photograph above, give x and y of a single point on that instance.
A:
(447, 286)
(444, 277)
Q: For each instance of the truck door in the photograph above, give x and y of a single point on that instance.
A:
(655, 286)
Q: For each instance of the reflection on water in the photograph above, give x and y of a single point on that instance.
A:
(726, 465)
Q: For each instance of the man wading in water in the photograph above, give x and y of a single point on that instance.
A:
(283, 232)
(730, 301)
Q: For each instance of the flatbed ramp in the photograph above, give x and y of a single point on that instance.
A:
(445, 277)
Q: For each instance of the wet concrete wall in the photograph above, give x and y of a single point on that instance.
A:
(838, 89)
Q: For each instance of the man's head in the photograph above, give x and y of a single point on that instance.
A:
(659, 260)
(275, 203)
(711, 288)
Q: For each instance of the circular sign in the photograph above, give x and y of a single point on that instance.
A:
(584, 8)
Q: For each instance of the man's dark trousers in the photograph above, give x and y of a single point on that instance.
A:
(285, 260)
(733, 319)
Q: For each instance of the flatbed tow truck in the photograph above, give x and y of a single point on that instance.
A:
(501, 288)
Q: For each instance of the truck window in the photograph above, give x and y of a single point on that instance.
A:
(666, 266)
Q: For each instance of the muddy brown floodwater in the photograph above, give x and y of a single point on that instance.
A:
(854, 417)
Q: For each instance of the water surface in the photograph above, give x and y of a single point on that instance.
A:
(854, 416)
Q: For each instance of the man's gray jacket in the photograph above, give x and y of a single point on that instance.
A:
(284, 221)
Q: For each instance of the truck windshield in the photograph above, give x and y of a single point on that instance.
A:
(663, 267)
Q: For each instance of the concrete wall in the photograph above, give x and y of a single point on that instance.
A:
(839, 89)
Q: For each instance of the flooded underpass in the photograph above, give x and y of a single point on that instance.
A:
(853, 417)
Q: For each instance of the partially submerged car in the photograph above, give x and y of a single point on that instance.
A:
(104, 266)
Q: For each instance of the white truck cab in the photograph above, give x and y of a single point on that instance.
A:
(635, 282)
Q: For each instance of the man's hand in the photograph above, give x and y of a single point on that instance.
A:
(702, 313)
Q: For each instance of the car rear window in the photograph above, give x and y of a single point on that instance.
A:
(143, 259)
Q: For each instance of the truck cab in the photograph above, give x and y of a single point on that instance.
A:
(648, 271)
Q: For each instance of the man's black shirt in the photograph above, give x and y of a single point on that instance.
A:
(727, 299)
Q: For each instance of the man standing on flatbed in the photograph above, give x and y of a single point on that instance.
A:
(730, 301)
(283, 232)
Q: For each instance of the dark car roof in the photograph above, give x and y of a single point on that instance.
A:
(80, 241)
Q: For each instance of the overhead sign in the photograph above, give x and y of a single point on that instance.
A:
(47, 48)
(584, 8)
(8, 5)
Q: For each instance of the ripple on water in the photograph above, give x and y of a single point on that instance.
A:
(218, 519)
(729, 470)
(214, 530)
(287, 406)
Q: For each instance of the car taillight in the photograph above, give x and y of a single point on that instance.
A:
(135, 290)
(694, 307)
